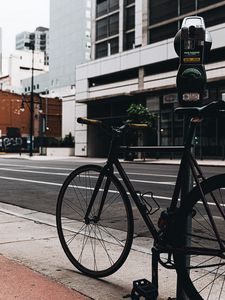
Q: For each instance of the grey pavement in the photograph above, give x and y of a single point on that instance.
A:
(30, 237)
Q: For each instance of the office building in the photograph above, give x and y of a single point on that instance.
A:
(133, 61)
(70, 31)
(40, 38)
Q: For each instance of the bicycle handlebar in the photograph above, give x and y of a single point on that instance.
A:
(87, 121)
(138, 125)
(208, 110)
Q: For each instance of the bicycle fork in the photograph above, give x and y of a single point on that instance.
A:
(97, 188)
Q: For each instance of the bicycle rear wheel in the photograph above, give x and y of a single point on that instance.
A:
(203, 275)
(97, 248)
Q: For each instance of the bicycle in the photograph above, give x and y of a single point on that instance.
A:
(95, 219)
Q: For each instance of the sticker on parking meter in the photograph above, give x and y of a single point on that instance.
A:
(192, 57)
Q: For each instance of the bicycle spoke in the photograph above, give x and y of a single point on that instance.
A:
(205, 275)
(73, 237)
(116, 239)
(96, 247)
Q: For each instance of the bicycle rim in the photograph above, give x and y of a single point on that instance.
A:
(99, 248)
(203, 276)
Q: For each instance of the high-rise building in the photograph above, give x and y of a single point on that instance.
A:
(70, 27)
(70, 44)
(133, 61)
(40, 38)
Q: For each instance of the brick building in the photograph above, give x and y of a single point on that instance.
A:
(15, 124)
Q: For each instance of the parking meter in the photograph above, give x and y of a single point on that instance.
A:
(190, 44)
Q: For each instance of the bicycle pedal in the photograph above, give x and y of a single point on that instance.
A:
(144, 288)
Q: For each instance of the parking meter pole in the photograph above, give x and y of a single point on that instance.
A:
(192, 44)
(186, 187)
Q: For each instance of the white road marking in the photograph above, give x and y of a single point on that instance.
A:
(81, 187)
(66, 174)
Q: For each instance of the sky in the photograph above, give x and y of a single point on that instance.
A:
(17, 16)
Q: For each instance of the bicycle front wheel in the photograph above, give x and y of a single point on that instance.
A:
(203, 274)
(99, 247)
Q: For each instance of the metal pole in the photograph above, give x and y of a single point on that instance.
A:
(46, 111)
(32, 102)
(186, 187)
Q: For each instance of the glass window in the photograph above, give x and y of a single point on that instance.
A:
(105, 6)
(129, 40)
(101, 29)
(161, 10)
(114, 45)
(107, 48)
(163, 32)
(113, 5)
(204, 3)
(101, 50)
(130, 18)
(127, 2)
(101, 7)
(114, 24)
(210, 19)
(187, 6)
(107, 27)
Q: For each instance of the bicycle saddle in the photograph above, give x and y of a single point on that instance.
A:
(210, 109)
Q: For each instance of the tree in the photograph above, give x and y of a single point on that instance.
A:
(137, 113)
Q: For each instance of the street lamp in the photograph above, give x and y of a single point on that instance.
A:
(30, 45)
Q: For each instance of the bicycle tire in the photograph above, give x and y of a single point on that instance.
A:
(204, 278)
(100, 248)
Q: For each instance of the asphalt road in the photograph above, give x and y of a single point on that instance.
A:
(35, 184)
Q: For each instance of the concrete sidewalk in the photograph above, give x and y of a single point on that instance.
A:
(34, 266)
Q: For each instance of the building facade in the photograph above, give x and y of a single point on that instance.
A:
(40, 38)
(20, 67)
(15, 120)
(70, 44)
(133, 61)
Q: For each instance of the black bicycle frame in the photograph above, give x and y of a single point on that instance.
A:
(187, 159)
